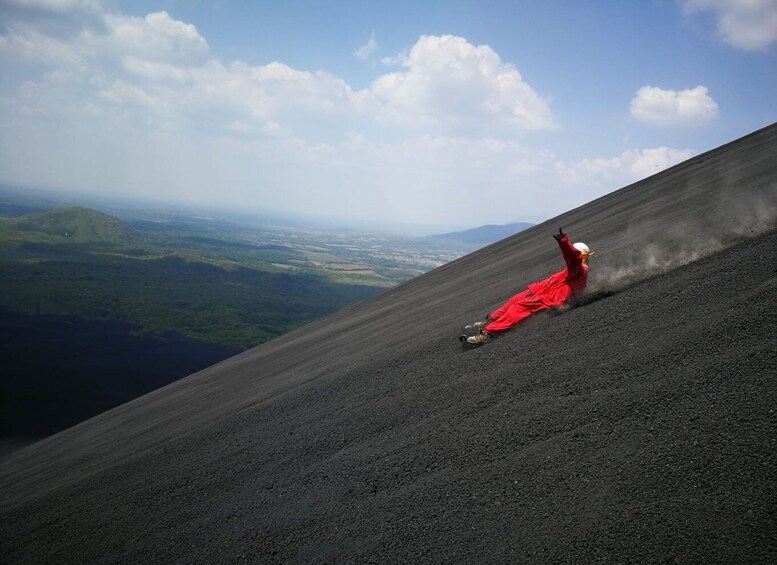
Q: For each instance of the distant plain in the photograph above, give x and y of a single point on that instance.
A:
(98, 308)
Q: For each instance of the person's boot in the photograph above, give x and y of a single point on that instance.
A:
(479, 339)
(479, 325)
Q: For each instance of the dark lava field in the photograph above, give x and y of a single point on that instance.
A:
(636, 426)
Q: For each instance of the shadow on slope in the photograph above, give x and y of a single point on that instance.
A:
(60, 370)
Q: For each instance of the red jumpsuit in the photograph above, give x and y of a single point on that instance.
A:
(553, 291)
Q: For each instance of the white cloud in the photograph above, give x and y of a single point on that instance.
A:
(156, 37)
(58, 14)
(44, 29)
(161, 65)
(61, 6)
(139, 106)
(745, 24)
(452, 83)
(164, 65)
(655, 106)
(366, 51)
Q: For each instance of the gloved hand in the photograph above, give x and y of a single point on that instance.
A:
(559, 235)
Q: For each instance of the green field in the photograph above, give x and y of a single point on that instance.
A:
(208, 283)
(99, 310)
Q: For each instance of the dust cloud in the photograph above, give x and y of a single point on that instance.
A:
(684, 243)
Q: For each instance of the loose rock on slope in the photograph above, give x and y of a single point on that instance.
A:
(637, 427)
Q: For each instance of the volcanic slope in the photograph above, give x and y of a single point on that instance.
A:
(636, 427)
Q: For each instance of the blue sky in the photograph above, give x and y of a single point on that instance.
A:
(422, 113)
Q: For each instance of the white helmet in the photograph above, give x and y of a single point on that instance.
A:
(582, 248)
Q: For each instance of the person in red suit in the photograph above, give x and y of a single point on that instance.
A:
(552, 292)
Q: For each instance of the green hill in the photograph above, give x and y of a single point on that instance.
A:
(80, 262)
(79, 225)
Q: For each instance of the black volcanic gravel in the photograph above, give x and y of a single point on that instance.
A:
(636, 427)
